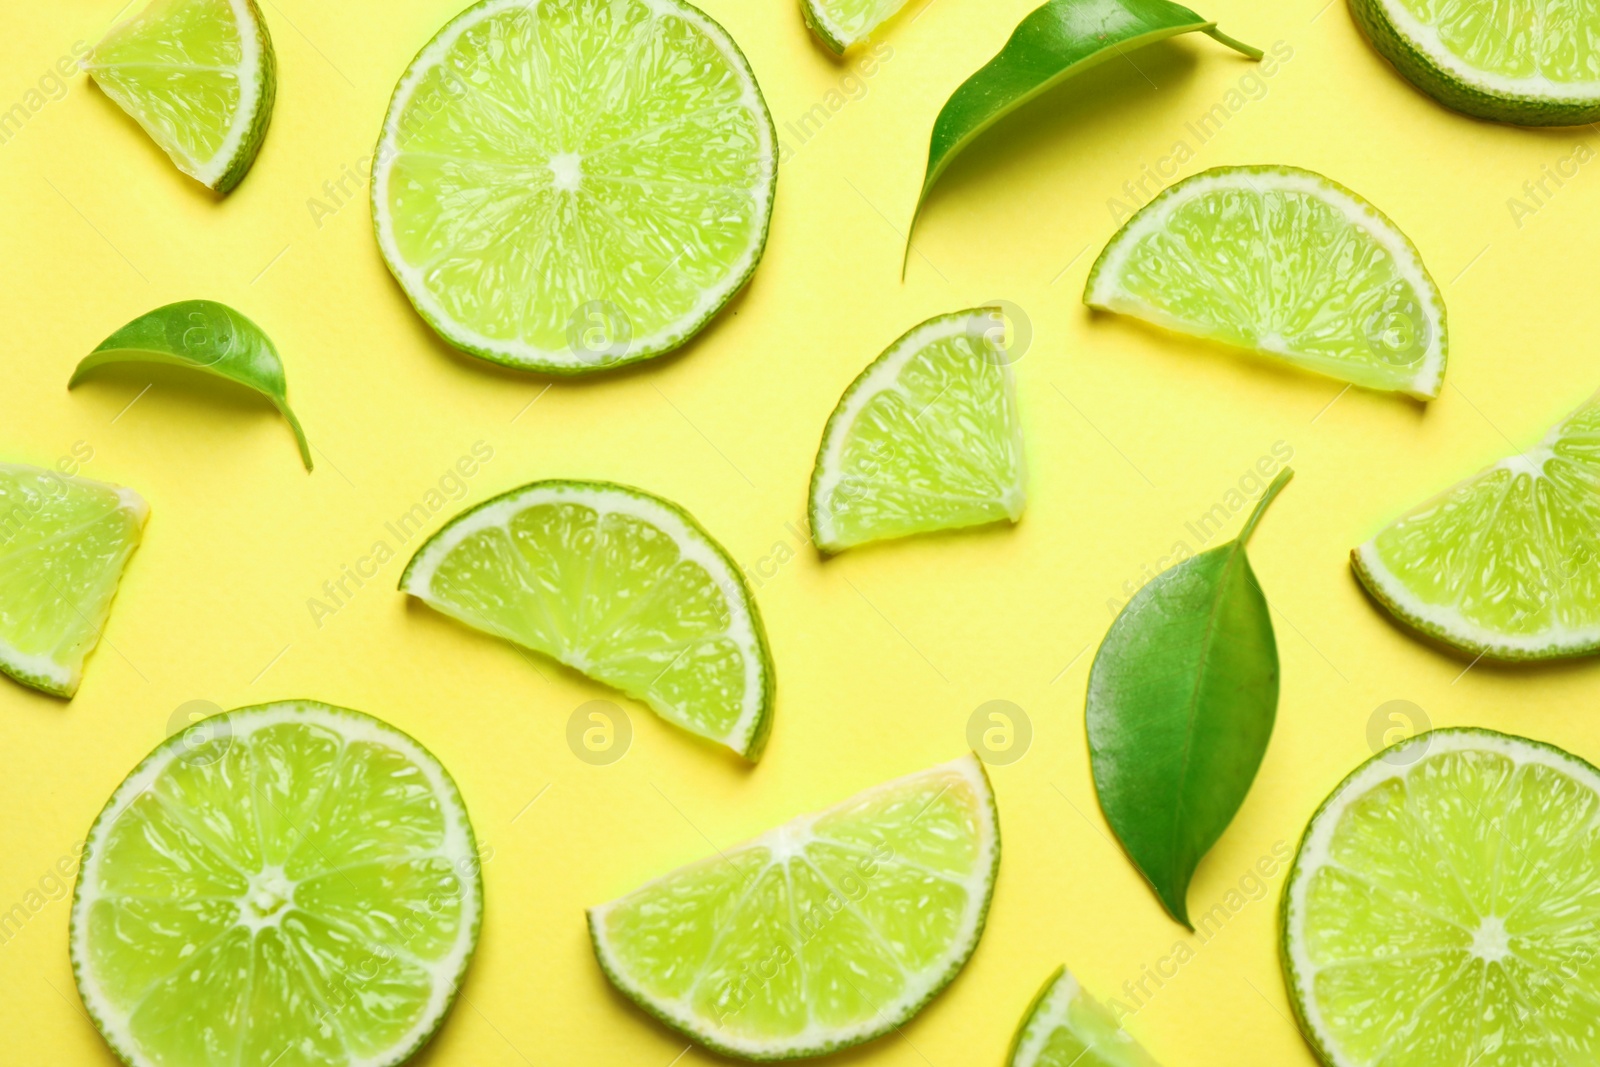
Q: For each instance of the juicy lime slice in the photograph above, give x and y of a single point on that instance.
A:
(200, 77)
(1534, 64)
(63, 544)
(1284, 262)
(1066, 1027)
(568, 185)
(1504, 563)
(618, 584)
(842, 24)
(1444, 908)
(293, 885)
(823, 933)
(926, 438)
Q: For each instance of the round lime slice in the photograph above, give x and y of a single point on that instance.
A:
(1286, 263)
(1066, 1027)
(926, 438)
(200, 77)
(1533, 64)
(618, 584)
(843, 24)
(1444, 908)
(1503, 564)
(63, 544)
(570, 185)
(823, 933)
(293, 885)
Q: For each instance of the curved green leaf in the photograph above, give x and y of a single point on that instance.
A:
(1050, 45)
(1182, 697)
(206, 336)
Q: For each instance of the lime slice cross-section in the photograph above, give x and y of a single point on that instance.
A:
(1066, 1027)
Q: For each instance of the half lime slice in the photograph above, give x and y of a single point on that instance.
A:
(63, 544)
(926, 438)
(293, 885)
(1066, 1027)
(1444, 908)
(1505, 60)
(570, 185)
(826, 932)
(1286, 263)
(1507, 563)
(618, 584)
(843, 24)
(200, 77)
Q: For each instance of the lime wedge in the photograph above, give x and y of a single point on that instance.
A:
(570, 185)
(843, 24)
(291, 884)
(1504, 60)
(1066, 1027)
(1283, 262)
(618, 584)
(63, 544)
(1504, 563)
(823, 933)
(1444, 908)
(200, 77)
(926, 438)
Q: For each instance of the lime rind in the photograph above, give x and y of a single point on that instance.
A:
(1103, 290)
(891, 1016)
(566, 361)
(831, 29)
(460, 846)
(1063, 1005)
(1315, 851)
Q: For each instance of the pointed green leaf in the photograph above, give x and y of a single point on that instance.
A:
(1182, 698)
(206, 336)
(1050, 45)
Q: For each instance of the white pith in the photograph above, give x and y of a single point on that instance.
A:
(1050, 1013)
(1107, 292)
(457, 849)
(517, 352)
(1315, 850)
(788, 840)
(883, 375)
(251, 73)
(692, 545)
(1427, 40)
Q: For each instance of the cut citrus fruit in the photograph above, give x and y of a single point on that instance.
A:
(823, 933)
(1507, 563)
(1505, 60)
(618, 584)
(293, 884)
(926, 438)
(1283, 262)
(63, 544)
(1066, 1027)
(1444, 908)
(569, 185)
(843, 24)
(200, 77)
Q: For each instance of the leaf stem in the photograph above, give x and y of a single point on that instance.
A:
(1233, 43)
(1261, 505)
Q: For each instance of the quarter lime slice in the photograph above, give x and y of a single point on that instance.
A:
(1066, 1027)
(63, 544)
(570, 185)
(926, 438)
(1444, 908)
(843, 24)
(618, 584)
(1534, 64)
(1503, 564)
(200, 77)
(1283, 262)
(293, 885)
(823, 933)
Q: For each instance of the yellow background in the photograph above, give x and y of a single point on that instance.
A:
(881, 654)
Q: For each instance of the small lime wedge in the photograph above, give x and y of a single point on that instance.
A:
(1066, 1027)
(843, 24)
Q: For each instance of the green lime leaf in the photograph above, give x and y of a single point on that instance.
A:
(206, 336)
(1182, 697)
(1054, 42)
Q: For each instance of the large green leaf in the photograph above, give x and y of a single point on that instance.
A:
(1050, 45)
(206, 336)
(1182, 697)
